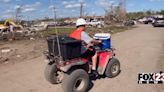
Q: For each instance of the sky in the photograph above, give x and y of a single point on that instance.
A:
(36, 9)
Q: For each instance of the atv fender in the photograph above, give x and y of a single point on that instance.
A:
(66, 68)
(103, 62)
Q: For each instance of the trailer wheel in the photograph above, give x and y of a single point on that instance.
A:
(52, 75)
(113, 68)
(76, 81)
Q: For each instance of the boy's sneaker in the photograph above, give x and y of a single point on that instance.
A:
(94, 72)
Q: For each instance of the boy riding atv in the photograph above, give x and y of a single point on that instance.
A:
(69, 65)
(87, 48)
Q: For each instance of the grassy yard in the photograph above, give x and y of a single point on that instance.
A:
(60, 30)
(90, 30)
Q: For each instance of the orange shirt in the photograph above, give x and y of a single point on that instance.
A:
(76, 34)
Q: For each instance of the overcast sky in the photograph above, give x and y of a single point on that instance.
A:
(35, 9)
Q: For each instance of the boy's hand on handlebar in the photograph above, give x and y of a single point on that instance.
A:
(96, 41)
(99, 41)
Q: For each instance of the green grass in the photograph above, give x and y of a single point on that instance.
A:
(60, 30)
(111, 30)
(90, 30)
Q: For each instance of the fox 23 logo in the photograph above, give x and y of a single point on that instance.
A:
(151, 78)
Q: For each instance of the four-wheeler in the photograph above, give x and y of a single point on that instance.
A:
(66, 66)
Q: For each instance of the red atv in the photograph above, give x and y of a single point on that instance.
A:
(67, 67)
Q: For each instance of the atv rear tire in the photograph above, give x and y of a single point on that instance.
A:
(76, 81)
(51, 74)
(113, 68)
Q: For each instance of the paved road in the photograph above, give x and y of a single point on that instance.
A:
(138, 51)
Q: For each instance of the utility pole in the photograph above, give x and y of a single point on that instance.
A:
(81, 9)
(53, 9)
(17, 13)
(124, 5)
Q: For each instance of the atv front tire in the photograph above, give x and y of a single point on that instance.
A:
(113, 68)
